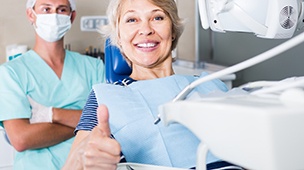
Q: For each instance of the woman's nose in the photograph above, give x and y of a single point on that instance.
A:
(146, 29)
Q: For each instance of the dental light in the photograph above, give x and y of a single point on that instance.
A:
(272, 19)
(265, 18)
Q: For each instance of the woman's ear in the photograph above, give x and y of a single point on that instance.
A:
(30, 15)
(173, 36)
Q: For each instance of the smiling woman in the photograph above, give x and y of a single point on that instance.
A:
(146, 31)
(145, 37)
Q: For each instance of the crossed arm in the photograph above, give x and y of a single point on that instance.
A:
(23, 135)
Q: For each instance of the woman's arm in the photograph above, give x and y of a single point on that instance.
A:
(75, 158)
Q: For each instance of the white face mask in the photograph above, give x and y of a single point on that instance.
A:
(52, 27)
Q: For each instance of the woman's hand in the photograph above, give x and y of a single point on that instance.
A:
(101, 152)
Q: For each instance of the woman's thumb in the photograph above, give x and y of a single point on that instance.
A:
(103, 120)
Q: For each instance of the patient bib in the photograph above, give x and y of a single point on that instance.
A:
(134, 108)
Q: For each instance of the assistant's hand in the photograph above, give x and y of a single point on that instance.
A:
(40, 113)
(102, 152)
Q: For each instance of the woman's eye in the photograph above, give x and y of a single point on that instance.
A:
(131, 20)
(159, 18)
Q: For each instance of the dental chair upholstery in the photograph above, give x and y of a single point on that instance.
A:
(116, 66)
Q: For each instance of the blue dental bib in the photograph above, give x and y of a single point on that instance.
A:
(134, 108)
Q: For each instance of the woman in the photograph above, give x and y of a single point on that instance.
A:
(146, 31)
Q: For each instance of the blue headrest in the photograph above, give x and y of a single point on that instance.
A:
(116, 65)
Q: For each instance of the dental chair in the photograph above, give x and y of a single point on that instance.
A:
(116, 65)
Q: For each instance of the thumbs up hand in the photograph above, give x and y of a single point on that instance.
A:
(102, 152)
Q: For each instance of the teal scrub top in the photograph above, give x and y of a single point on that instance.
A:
(30, 75)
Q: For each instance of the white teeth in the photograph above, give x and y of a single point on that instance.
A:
(146, 45)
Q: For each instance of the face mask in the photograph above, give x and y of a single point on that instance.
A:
(52, 27)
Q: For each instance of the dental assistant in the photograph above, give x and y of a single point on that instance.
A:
(44, 91)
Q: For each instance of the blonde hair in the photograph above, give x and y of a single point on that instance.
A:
(114, 10)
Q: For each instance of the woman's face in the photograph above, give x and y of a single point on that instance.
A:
(145, 33)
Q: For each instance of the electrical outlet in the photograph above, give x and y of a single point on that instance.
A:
(92, 23)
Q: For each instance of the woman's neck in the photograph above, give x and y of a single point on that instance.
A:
(139, 73)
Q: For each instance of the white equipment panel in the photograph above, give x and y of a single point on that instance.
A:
(250, 131)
